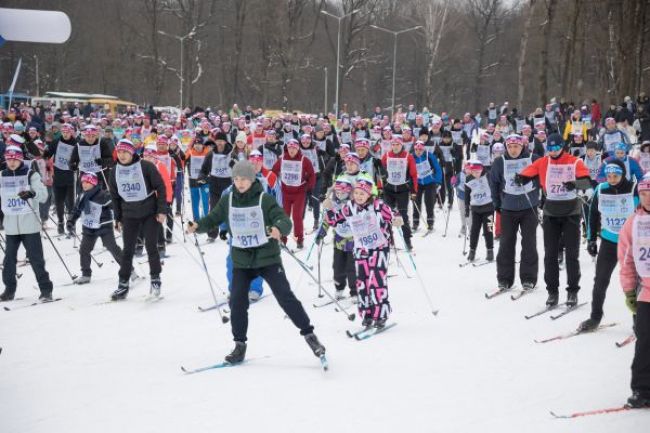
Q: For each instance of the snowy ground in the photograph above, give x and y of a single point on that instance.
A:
(73, 366)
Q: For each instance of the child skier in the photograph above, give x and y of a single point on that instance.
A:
(199, 191)
(343, 264)
(370, 222)
(256, 224)
(94, 208)
(21, 190)
(478, 199)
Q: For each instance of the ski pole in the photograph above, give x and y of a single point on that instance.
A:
(99, 264)
(195, 260)
(302, 265)
(224, 318)
(73, 277)
(465, 242)
(320, 252)
(447, 222)
(532, 209)
(422, 286)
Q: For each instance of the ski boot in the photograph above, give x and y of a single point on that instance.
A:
(154, 291)
(45, 297)
(84, 279)
(503, 285)
(223, 236)
(553, 299)
(315, 345)
(7, 296)
(340, 294)
(528, 286)
(60, 229)
(122, 290)
(253, 297)
(238, 354)
(638, 400)
(408, 245)
(300, 245)
(367, 321)
(139, 250)
(571, 299)
(381, 323)
(471, 256)
(490, 255)
(588, 325)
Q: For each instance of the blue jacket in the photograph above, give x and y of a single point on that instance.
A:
(436, 172)
(632, 169)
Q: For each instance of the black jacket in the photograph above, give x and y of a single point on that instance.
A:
(101, 197)
(150, 206)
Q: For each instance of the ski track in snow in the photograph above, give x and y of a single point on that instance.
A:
(76, 367)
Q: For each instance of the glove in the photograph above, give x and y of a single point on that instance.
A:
(321, 197)
(570, 186)
(414, 196)
(630, 300)
(327, 204)
(25, 195)
(98, 161)
(520, 180)
(398, 221)
(592, 248)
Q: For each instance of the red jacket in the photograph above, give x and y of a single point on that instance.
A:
(540, 167)
(307, 177)
(411, 172)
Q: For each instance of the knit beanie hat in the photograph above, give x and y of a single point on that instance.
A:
(244, 169)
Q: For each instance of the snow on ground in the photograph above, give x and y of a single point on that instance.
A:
(73, 366)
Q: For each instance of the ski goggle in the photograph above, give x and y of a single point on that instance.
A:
(613, 169)
(554, 147)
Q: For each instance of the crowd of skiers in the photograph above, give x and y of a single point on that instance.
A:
(252, 179)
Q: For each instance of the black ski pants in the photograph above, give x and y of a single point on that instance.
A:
(429, 194)
(34, 249)
(63, 201)
(512, 222)
(485, 221)
(641, 361)
(344, 269)
(605, 264)
(400, 201)
(88, 243)
(567, 230)
(277, 280)
(130, 229)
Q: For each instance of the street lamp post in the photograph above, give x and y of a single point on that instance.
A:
(338, 53)
(181, 39)
(38, 87)
(395, 35)
(325, 106)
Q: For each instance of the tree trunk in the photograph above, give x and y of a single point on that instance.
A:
(434, 34)
(543, 69)
(523, 47)
(570, 52)
(611, 52)
(640, 15)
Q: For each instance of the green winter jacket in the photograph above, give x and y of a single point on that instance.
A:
(274, 216)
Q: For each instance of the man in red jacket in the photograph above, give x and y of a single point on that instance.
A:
(297, 176)
(401, 183)
(560, 174)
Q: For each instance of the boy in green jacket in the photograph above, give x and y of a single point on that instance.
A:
(256, 223)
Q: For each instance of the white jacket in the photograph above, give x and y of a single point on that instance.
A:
(28, 223)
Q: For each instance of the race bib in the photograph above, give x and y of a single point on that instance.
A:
(196, 162)
(366, 230)
(93, 217)
(130, 182)
(220, 166)
(641, 245)
(62, 156)
(396, 168)
(291, 172)
(511, 167)
(10, 186)
(247, 225)
(615, 209)
(556, 175)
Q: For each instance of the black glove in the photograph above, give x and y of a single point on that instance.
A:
(570, 186)
(521, 180)
(25, 195)
(592, 248)
(98, 161)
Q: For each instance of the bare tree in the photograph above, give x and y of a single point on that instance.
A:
(435, 18)
(523, 52)
(483, 14)
(546, 39)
